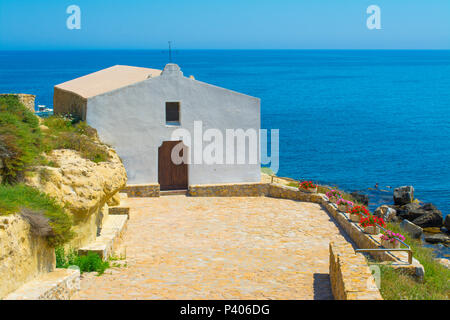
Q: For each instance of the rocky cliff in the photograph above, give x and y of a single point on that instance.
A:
(84, 187)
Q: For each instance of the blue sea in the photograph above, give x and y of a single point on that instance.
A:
(349, 118)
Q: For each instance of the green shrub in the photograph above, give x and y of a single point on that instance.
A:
(22, 142)
(63, 134)
(87, 263)
(20, 138)
(267, 170)
(14, 198)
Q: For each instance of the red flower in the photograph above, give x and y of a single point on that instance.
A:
(307, 185)
(359, 210)
(371, 221)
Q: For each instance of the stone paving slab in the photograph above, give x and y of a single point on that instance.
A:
(182, 247)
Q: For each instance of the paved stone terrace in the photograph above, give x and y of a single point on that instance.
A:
(182, 247)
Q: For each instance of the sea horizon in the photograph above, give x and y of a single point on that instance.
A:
(303, 85)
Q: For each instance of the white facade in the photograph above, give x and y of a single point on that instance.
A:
(132, 119)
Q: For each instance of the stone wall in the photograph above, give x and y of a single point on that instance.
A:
(141, 190)
(397, 259)
(65, 102)
(350, 276)
(229, 190)
(26, 99)
(23, 256)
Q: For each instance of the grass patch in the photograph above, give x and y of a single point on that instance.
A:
(395, 285)
(14, 198)
(398, 286)
(63, 133)
(267, 170)
(87, 263)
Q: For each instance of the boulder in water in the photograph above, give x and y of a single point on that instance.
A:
(430, 216)
(409, 211)
(403, 195)
(447, 222)
(437, 238)
(361, 198)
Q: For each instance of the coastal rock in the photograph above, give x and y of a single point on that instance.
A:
(411, 228)
(430, 216)
(23, 255)
(83, 187)
(359, 197)
(432, 230)
(403, 195)
(387, 213)
(437, 238)
(114, 200)
(408, 211)
(447, 222)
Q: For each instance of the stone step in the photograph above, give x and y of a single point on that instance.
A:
(173, 192)
(110, 238)
(122, 209)
(60, 284)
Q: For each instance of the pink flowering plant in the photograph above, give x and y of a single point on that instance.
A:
(334, 194)
(344, 202)
(392, 237)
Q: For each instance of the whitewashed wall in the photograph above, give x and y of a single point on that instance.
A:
(132, 119)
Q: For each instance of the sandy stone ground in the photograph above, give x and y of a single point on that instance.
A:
(180, 247)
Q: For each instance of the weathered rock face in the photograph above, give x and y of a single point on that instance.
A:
(387, 213)
(429, 216)
(411, 228)
(84, 187)
(407, 211)
(26, 99)
(447, 222)
(403, 195)
(437, 238)
(23, 256)
(362, 198)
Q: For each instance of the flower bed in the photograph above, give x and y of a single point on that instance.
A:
(357, 212)
(344, 205)
(389, 239)
(307, 186)
(334, 195)
(371, 224)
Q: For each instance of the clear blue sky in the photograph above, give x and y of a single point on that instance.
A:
(226, 24)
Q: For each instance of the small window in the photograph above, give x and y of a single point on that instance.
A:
(173, 113)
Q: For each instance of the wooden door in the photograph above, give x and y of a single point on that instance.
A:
(171, 176)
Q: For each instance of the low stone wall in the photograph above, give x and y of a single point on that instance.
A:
(229, 190)
(26, 99)
(398, 260)
(60, 284)
(350, 276)
(142, 190)
(23, 256)
(285, 192)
